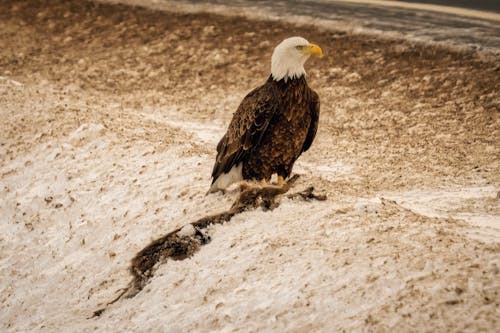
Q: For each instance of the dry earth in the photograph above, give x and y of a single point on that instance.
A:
(110, 117)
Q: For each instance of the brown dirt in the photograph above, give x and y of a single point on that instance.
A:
(411, 114)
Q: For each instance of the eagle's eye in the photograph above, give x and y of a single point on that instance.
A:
(300, 47)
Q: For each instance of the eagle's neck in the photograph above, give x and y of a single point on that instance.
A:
(286, 83)
(287, 68)
(286, 74)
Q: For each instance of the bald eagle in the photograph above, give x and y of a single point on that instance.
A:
(274, 123)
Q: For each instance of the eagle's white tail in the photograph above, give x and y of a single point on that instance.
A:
(223, 181)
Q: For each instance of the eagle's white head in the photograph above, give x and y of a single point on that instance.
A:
(289, 57)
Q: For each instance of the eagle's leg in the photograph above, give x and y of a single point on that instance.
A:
(281, 181)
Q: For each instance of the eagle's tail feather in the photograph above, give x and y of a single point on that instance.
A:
(225, 179)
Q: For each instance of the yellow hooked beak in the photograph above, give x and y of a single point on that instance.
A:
(313, 49)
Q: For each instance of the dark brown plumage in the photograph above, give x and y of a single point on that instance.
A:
(273, 125)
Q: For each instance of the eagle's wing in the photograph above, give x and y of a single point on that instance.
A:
(313, 127)
(246, 129)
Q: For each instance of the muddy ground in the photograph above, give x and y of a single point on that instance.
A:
(408, 124)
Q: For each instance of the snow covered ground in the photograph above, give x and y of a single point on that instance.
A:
(110, 118)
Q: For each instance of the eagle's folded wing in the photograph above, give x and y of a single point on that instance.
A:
(245, 131)
(313, 127)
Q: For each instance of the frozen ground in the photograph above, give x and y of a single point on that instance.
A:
(430, 23)
(110, 116)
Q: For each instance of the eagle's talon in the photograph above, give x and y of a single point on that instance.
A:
(249, 185)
